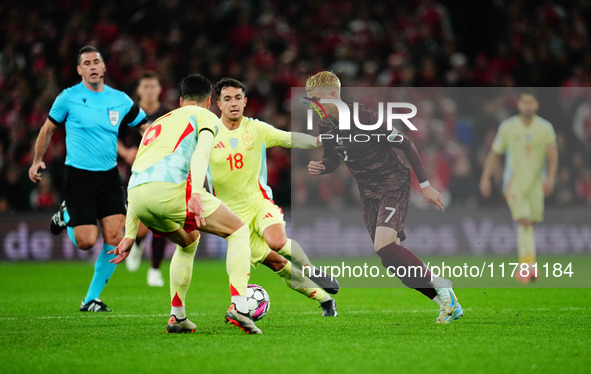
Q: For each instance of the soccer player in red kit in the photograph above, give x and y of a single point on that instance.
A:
(384, 187)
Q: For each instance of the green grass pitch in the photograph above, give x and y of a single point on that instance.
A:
(505, 330)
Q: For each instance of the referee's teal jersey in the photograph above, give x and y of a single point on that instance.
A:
(92, 121)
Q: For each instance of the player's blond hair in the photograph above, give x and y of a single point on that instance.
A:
(323, 79)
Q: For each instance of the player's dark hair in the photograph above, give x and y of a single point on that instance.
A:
(527, 91)
(195, 88)
(229, 82)
(87, 49)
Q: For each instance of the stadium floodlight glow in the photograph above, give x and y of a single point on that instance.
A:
(345, 114)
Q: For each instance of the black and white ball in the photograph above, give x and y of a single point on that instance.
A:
(258, 301)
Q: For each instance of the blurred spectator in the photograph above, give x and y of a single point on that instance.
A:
(583, 186)
(463, 185)
(564, 189)
(43, 197)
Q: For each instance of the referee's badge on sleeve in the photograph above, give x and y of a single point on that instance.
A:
(114, 117)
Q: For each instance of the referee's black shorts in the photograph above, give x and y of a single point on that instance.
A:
(92, 195)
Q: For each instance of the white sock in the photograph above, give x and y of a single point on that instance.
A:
(178, 312)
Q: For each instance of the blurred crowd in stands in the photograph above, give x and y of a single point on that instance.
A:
(273, 45)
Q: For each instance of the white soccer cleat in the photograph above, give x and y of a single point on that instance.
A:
(179, 326)
(241, 320)
(155, 278)
(449, 307)
(134, 259)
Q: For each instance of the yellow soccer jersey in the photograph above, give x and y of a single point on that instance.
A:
(525, 150)
(166, 148)
(238, 162)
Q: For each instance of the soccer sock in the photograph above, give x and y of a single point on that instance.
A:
(238, 266)
(181, 271)
(69, 230)
(158, 246)
(66, 216)
(71, 235)
(103, 270)
(293, 251)
(396, 256)
(294, 279)
(526, 244)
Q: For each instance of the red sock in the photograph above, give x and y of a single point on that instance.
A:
(407, 264)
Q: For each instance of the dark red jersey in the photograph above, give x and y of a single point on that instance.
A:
(370, 155)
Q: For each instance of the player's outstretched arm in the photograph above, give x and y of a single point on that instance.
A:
(430, 194)
(552, 159)
(195, 207)
(490, 165)
(122, 250)
(199, 163)
(287, 139)
(433, 197)
(316, 167)
(304, 141)
(412, 154)
(330, 161)
(41, 145)
(132, 223)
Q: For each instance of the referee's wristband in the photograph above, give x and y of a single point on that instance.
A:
(425, 184)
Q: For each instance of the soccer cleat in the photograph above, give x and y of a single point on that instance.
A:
(95, 305)
(450, 308)
(155, 278)
(241, 320)
(329, 308)
(134, 259)
(444, 318)
(180, 325)
(326, 282)
(57, 224)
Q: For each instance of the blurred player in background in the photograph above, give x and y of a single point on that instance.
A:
(92, 114)
(531, 161)
(384, 187)
(238, 177)
(148, 91)
(166, 193)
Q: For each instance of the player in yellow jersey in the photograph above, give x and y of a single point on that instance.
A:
(238, 177)
(531, 160)
(166, 194)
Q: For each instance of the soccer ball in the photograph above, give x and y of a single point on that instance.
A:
(258, 302)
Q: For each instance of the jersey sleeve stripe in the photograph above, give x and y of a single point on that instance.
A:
(264, 191)
(55, 122)
(132, 115)
(207, 129)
